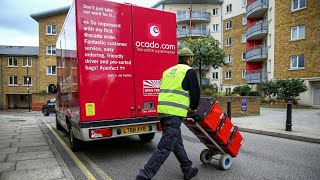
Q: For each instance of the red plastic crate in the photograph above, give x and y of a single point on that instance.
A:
(224, 134)
(234, 144)
(213, 118)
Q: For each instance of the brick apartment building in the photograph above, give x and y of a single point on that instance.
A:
(263, 40)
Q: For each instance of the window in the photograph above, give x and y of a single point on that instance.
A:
(244, 3)
(215, 75)
(228, 75)
(244, 20)
(297, 62)
(229, 8)
(51, 50)
(51, 70)
(51, 30)
(298, 4)
(228, 90)
(228, 58)
(243, 74)
(297, 32)
(27, 79)
(215, 12)
(228, 41)
(215, 27)
(12, 80)
(244, 38)
(244, 56)
(27, 61)
(229, 25)
(12, 61)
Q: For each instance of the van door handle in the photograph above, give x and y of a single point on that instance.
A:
(132, 110)
(139, 109)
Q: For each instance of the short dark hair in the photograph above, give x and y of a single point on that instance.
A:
(183, 59)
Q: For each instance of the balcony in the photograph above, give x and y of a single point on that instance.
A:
(256, 76)
(196, 17)
(195, 33)
(257, 53)
(257, 8)
(257, 31)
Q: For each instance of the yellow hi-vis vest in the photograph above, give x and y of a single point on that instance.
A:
(172, 98)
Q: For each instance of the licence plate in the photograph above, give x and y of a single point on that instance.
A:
(134, 129)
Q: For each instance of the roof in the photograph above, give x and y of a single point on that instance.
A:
(187, 2)
(49, 13)
(19, 50)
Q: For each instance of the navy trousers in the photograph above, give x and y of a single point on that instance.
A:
(171, 141)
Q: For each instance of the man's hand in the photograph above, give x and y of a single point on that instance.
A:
(191, 111)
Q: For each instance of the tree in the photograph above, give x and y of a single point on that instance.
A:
(269, 88)
(206, 53)
(289, 89)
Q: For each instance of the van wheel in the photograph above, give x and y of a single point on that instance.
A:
(146, 137)
(74, 142)
(45, 113)
(58, 125)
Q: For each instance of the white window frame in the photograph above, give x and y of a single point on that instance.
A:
(51, 27)
(215, 75)
(244, 20)
(228, 25)
(270, 40)
(25, 81)
(51, 50)
(298, 59)
(228, 58)
(244, 38)
(299, 8)
(244, 54)
(15, 80)
(228, 74)
(229, 8)
(244, 74)
(298, 32)
(12, 60)
(215, 28)
(215, 12)
(244, 3)
(228, 41)
(50, 72)
(29, 62)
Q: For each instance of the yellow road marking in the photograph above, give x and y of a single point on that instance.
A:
(72, 155)
(95, 167)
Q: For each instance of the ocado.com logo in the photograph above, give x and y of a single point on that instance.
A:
(154, 31)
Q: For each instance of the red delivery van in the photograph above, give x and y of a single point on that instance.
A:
(110, 58)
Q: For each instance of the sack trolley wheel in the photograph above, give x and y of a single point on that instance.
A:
(206, 156)
(225, 161)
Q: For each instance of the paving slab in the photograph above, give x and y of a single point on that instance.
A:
(33, 149)
(6, 137)
(33, 139)
(7, 166)
(32, 133)
(29, 135)
(8, 150)
(35, 174)
(24, 144)
(5, 144)
(29, 155)
(3, 157)
(8, 140)
(37, 164)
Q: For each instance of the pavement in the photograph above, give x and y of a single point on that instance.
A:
(26, 151)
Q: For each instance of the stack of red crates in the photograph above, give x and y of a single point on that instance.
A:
(221, 129)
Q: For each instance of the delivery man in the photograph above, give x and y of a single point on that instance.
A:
(179, 94)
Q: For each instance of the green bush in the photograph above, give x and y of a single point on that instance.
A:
(241, 90)
(253, 93)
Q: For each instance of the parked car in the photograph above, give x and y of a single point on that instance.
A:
(49, 107)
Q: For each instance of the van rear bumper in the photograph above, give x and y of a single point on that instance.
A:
(83, 133)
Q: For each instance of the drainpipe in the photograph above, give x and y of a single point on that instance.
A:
(190, 17)
(1, 100)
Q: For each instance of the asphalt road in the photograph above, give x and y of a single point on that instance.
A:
(261, 157)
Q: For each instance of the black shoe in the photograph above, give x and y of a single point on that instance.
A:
(192, 174)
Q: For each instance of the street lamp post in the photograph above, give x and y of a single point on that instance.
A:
(28, 87)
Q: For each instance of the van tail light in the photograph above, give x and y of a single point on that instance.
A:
(99, 133)
(159, 126)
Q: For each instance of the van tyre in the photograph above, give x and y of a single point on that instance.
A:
(74, 142)
(58, 125)
(146, 137)
(45, 113)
